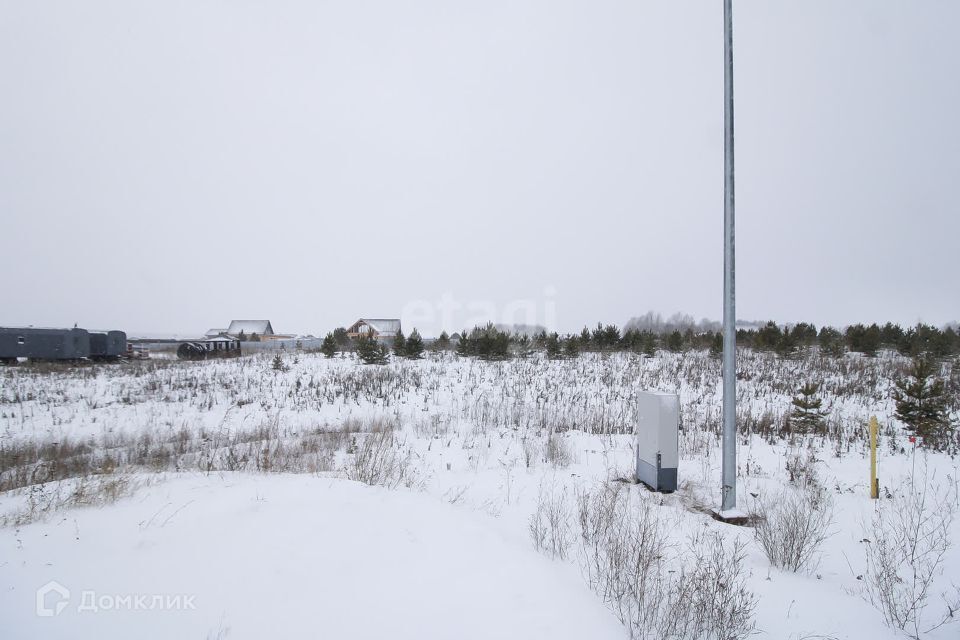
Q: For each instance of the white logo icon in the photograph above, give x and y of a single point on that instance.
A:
(58, 601)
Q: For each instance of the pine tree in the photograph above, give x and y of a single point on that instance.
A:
(414, 349)
(675, 341)
(464, 345)
(524, 346)
(371, 351)
(571, 347)
(768, 337)
(278, 364)
(787, 345)
(329, 346)
(400, 345)
(716, 345)
(242, 336)
(553, 346)
(606, 338)
(803, 334)
(649, 342)
(443, 342)
(807, 415)
(342, 339)
(585, 338)
(921, 403)
(865, 340)
(540, 339)
(831, 342)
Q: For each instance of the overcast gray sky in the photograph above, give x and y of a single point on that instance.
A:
(168, 166)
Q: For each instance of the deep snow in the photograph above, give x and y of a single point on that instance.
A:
(315, 555)
(285, 556)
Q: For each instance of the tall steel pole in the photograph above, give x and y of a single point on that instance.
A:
(729, 490)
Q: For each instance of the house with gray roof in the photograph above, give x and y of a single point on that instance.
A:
(379, 328)
(250, 327)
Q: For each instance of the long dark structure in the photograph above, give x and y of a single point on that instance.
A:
(222, 346)
(107, 345)
(60, 344)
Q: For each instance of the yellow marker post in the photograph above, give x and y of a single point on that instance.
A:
(874, 483)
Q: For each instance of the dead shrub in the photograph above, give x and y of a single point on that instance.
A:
(550, 525)
(377, 459)
(792, 526)
(905, 547)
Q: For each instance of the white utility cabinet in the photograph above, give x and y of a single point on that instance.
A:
(656, 435)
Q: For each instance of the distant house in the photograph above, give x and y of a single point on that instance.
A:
(249, 327)
(379, 328)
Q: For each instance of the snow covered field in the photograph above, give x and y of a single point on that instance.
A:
(332, 499)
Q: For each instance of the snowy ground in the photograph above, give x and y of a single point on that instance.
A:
(285, 556)
(446, 550)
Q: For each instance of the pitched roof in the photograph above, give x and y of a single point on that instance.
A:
(249, 327)
(383, 325)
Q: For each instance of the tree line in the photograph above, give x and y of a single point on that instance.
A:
(490, 342)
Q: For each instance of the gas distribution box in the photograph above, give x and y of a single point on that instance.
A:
(657, 440)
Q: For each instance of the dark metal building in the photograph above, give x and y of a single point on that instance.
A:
(107, 345)
(43, 344)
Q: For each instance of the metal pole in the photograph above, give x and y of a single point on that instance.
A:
(874, 485)
(729, 489)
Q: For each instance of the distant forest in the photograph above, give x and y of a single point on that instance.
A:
(787, 340)
(650, 333)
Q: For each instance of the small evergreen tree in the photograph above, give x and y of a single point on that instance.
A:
(242, 336)
(768, 337)
(865, 340)
(675, 341)
(631, 341)
(831, 342)
(371, 351)
(487, 343)
(807, 415)
(443, 342)
(329, 346)
(524, 345)
(552, 346)
(278, 364)
(400, 345)
(803, 335)
(787, 346)
(716, 345)
(921, 403)
(342, 339)
(464, 346)
(585, 338)
(606, 338)
(649, 342)
(571, 347)
(540, 339)
(414, 348)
